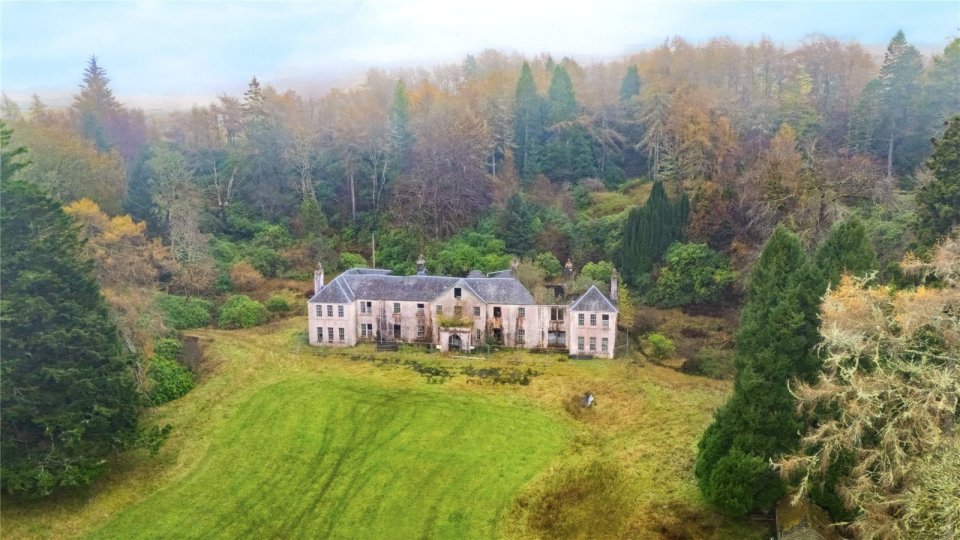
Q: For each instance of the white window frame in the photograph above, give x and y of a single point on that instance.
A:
(521, 312)
(605, 319)
(593, 344)
(340, 311)
(341, 334)
(330, 310)
(580, 319)
(580, 343)
(396, 307)
(593, 319)
(604, 345)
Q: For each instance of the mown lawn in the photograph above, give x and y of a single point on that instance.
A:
(283, 440)
(329, 457)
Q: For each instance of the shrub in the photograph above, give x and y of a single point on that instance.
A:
(660, 346)
(169, 380)
(240, 311)
(277, 304)
(167, 348)
(183, 313)
(713, 363)
(245, 277)
(352, 260)
(549, 264)
(267, 261)
(694, 274)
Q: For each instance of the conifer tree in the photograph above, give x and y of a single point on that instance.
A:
(518, 228)
(67, 389)
(775, 344)
(649, 231)
(95, 105)
(11, 159)
(401, 139)
(900, 89)
(938, 203)
(562, 100)
(631, 84)
(846, 250)
(527, 122)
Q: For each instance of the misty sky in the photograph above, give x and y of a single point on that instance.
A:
(166, 52)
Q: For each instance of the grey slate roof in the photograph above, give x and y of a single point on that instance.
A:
(593, 300)
(501, 290)
(373, 284)
(475, 274)
(500, 274)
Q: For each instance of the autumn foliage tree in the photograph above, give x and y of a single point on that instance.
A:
(890, 388)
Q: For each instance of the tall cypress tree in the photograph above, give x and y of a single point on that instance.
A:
(67, 389)
(517, 228)
(775, 343)
(649, 231)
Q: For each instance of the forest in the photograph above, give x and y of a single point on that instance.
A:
(713, 177)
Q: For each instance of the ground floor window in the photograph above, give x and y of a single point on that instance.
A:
(604, 344)
(479, 335)
(556, 338)
(330, 335)
(580, 344)
(593, 344)
(341, 334)
(396, 331)
(366, 330)
(521, 336)
(420, 331)
(319, 333)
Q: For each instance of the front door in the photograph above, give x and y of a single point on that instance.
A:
(455, 343)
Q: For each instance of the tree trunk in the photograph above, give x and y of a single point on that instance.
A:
(353, 197)
(890, 156)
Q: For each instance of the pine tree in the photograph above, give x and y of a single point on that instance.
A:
(401, 139)
(775, 343)
(631, 84)
(67, 391)
(846, 250)
(938, 202)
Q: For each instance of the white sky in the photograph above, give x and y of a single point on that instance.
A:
(166, 52)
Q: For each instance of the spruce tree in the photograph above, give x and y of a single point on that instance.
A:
(938, 202)
(775, 344)
(900, 90)
(67, 390)
(96, 106)
(11, 159)
(561, 99)
(846, 250)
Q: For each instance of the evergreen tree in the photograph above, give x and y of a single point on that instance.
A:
(649, 231)
(11, 159)
(631, 84)
(846, 250)
(943, 84)
(67, 391)
(527, 122)
(401, 139)
(95, 105)
(562, 101)
(900, 88)
(938, 203)
(778, 332)
(518, 228)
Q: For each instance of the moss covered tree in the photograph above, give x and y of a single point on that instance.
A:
(68, 394)
(775, 344)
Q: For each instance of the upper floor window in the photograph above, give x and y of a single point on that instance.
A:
(496, 312)
(396, 307)
(580, 319)
(556, 314)
(319, 310)
(476, 311)
(606, 320)
(330, 310)
(457, 293)
(593, 319)
(419, 308)
(521, 312)
(439, 309)
(339, 311)
(457, 311)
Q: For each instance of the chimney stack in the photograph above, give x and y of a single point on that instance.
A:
(614, 285)
(318, 278)
(421, 266)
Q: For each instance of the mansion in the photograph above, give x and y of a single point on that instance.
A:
(451, 313)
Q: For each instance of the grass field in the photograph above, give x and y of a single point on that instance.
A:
(282, 440)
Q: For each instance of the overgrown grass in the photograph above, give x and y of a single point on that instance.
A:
(280, 439)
